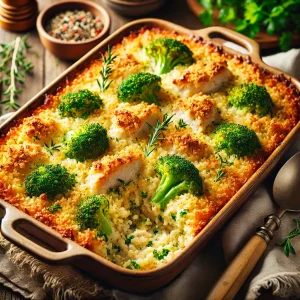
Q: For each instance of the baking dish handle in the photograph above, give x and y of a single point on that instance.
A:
(210, 33)
(8, 228)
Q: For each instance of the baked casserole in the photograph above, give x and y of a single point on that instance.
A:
(135, 169)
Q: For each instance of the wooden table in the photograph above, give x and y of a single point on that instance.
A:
(47, 67)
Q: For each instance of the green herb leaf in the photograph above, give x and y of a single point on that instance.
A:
(161, 254)
(206, 17)
(286, 242)
(106, 70)
(156, 134)
(128, 239)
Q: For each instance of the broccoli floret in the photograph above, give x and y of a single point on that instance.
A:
(167, 54)
(251, 97)
(51, 180)
(178, 176)
(89, 142)
(140, 87)
(92, 214)
(79, 104)
(236, 139)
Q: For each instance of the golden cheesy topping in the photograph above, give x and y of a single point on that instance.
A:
(141, 235)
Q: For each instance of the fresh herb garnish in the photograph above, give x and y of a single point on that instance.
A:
(144, 194)
(13, 68)
(181, 124)
(54, 208)
(106, 70)
(223, 162)
(117, 248)
(150, 244)
(52, 147)
(173, 216)
(156, 134)
(160, 218)
(135, 265)
(161, 254)
(128, 239)
(183, 212)
(155, 230)
(249, 16)
(286, 242)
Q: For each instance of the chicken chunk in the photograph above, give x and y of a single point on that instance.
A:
(133, 120)
(202, 77)
(111, 171)
(198, 112)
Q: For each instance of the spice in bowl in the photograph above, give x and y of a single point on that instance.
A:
(74, 26)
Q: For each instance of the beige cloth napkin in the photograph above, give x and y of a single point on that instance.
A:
(36, 280)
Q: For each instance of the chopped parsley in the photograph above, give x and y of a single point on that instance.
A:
(150, 244)
(160, 218)
(135, 265)
(144, 194)
(183, 212)
(128, 239)
(155, 230)
(54, 208)
(118, 248)
(173, 216)
(161, 254)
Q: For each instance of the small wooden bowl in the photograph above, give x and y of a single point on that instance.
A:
(66, 49)
(135, 8)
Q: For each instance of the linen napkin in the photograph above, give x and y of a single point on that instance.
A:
(34, 279)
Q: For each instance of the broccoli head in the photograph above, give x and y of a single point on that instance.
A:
(178, 176)
(79, 104)
(91, 214)
(51, 180)
(236, 139)
(88, 142)
(251, 97)
(140, 87)
(167, 54)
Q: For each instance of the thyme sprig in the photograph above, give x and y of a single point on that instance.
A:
(223, 162)
(156, 134)
(13, 68)
(52, 147)
(106, 70)
(286, 242)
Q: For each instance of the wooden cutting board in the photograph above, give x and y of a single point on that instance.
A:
(265, 41)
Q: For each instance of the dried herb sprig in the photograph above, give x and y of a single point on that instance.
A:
(13, 68)
(286, 242)
(223, 162)
(156, 134)
(106, 70)
(52, 147)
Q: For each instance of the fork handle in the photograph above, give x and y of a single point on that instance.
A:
(242, 265)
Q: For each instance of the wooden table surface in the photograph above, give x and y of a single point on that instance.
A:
(47, 67)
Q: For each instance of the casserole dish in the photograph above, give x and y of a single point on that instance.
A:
(23, 229)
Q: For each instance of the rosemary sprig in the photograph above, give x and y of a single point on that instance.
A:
(106, 70)
(286, 242)
(223, 162)
(156, 134)
(52, 147)
(181, 124)
(13, 68)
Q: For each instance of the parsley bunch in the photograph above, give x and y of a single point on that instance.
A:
(250, 16)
